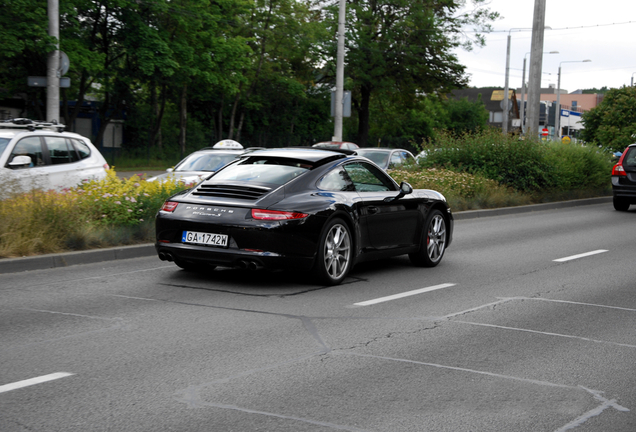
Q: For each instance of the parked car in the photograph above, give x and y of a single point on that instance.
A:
(624, 179)
(40, 155)
(387, 158)
(337, 145)
(202, 163)
(303, 209)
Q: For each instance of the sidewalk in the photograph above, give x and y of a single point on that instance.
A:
(40, 262)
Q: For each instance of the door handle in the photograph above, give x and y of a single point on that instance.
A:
(373, 210)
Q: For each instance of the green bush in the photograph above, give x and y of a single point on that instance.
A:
(463, 191)
(109, 212)
(528, 166)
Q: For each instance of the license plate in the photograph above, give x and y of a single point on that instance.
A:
(204, 238)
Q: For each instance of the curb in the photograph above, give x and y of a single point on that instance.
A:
(474, 214)
(65, 259)
(42, 262)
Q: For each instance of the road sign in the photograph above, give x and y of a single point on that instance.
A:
(566, 140)
(545, 132)
(65, 63)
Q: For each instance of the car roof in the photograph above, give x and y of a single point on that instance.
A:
(309, 154)
(333, 142)
(380, 149)
(218, 150)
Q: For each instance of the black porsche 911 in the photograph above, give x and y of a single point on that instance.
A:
(302, 209)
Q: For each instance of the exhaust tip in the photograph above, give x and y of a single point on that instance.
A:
(166, 256)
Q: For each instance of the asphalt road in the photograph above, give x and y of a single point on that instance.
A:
(527, 325)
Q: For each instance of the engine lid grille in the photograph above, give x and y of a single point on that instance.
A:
(230, 191)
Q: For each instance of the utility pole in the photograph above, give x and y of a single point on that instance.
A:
(536, 64)
(337, 130)
(53, 65)
(506, 101)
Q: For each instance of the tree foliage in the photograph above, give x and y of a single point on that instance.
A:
(405, 48)
(612, 123)
(259, 71)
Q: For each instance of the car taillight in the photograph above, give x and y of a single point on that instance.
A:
(169, 206)
(106, 167)
(276, 215)
(618, 170)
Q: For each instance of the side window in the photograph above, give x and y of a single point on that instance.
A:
(336, 181)
(60, 150)
(32, 147)
(82, 148)
(367, 178)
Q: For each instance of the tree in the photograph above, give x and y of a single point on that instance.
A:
(465, 116)
(612, 123)
(404, 47)
(281, 35)
(25, 48)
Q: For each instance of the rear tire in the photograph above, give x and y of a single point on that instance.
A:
(433, 243)
(621, 204)
(335, 252)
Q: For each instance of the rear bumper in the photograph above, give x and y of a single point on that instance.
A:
(236, 258)
(622, 191)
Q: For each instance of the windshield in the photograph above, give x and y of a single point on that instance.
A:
(379, 157)
(3, 144)
(263, 170)
(327, 146)
(205, 161)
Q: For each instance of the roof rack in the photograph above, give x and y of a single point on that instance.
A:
(25, 123)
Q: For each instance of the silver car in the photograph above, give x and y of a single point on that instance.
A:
(201, 164)
(386, 158)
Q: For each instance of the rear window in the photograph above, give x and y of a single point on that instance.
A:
(276, 171)
(630, 157)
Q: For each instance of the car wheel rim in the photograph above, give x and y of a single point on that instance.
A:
(337, 251)
(436, 240)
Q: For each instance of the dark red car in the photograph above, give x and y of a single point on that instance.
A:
(624, 179)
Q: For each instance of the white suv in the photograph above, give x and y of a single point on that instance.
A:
(38, 155)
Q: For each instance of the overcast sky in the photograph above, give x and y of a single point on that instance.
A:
(603, 31)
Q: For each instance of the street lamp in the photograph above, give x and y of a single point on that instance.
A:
(523, 91)
(557, 111)
(506, 101)
(633, 79)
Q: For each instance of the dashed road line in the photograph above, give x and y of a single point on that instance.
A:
(583, 255)
(404, 294)
(33, 381)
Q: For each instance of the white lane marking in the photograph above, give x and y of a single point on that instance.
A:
(569, 302)
(544, 333)
(404, 294)
(573, 257)
(33, 381)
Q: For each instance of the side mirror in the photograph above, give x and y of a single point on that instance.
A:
(20, 162)
(405, 189)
